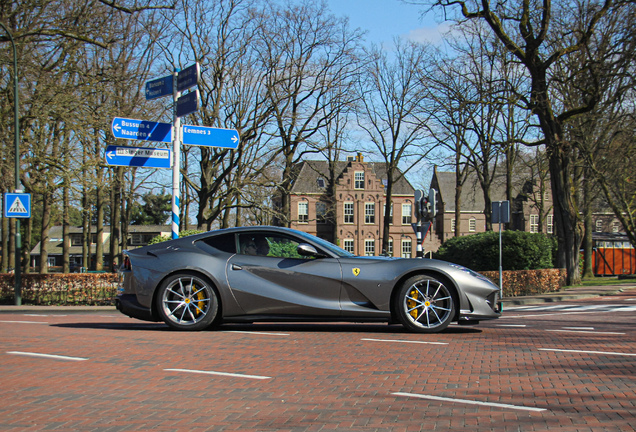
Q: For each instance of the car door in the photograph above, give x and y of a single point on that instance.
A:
(277, 281)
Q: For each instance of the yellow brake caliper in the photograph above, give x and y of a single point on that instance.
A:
(411, 303)
(200, 304)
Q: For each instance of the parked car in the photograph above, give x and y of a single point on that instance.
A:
(254, 274)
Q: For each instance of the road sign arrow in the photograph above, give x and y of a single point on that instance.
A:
(210, 137)
(138, 156)
(133, 129)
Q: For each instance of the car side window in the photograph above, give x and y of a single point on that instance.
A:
(268, 244)
(223, 242)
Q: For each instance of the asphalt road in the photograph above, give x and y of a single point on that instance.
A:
(567, 366)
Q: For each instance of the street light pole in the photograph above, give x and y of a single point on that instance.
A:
(16, 105)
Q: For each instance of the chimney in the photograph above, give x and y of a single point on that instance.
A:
(360, 158)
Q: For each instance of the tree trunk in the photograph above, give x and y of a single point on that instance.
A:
(44, 238)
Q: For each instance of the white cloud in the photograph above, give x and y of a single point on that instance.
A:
(433, 35)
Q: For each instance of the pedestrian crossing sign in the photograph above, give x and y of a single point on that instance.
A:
(17, 205)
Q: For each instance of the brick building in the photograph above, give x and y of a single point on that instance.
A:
(352, 217)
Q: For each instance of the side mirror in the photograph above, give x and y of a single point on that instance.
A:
(307, 250)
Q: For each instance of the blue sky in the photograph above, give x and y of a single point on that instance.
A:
(384, 19)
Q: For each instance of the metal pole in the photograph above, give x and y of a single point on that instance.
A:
(16, 108)
(500, 257)
(176, 159)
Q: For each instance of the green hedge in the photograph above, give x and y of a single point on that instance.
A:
(520, 251)
(98, 289)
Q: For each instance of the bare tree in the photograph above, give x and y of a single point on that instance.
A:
(529, 30)
(394, 112)
(310, 58)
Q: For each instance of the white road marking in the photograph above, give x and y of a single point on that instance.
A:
(470, 402)
(256, 333)
(588, 352)
(586, 331)
(24, 322)
(405, 341)
(511, 325)
(49, 356)
(219, 373)
(579, 328)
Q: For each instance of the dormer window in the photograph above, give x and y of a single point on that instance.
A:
(321, 182)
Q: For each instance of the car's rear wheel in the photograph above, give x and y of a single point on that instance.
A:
(425, 304)
(187, 301)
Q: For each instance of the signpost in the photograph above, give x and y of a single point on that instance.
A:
(159, 87)
(210, 137)
(138, 157)
(500, 215)
(189, 77)
(188, 103)
(133, 129)
(17, 205)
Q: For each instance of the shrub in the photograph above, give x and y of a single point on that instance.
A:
(160, 238)
(520, 251)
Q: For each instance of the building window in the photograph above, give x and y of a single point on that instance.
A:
(599, 225)
(390, 251)
(358, 177)
(406, 214)
(140, 239)
(453, 225)
(303, 212)
(321, 212)
(391, 215)
(407, 248)
(369, 247)
(321, 182)
(615, 226)
(369, 213)
(347, 244)
(76, 239)
(348, 212)
(550, 224)
(472, 225)
(534, 223)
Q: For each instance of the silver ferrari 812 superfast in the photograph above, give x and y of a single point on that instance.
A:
(250, 274)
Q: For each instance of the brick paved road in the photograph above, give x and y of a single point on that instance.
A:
(566, 369)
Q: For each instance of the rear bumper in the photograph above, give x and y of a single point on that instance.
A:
(128, 305)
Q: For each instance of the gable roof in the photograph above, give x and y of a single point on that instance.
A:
(308, 173)
(472, 197)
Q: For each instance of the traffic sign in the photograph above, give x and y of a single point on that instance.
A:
(141, 130)
(210, 137)
(138, 157)
(189, 77)
(188, 103)
(159, 87)
(17, 205)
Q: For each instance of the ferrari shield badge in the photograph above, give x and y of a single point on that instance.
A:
(356, 271)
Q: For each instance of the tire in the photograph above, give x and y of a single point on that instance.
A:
(187, 301)
(425, 305)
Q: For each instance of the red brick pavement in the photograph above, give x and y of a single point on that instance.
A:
(322, 377)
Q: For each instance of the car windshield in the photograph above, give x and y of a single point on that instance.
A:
(324, 244)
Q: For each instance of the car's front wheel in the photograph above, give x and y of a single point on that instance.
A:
(425, 305)
(187, 302)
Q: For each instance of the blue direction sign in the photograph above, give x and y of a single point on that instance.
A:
(159, 87)
(189, 77)
(188, 103)
(210, 137)
(141, 130)
(17, 205)
(138, 157)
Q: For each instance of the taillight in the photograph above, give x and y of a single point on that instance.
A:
(127, 265)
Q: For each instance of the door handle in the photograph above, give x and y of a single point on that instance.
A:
(236, 267)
